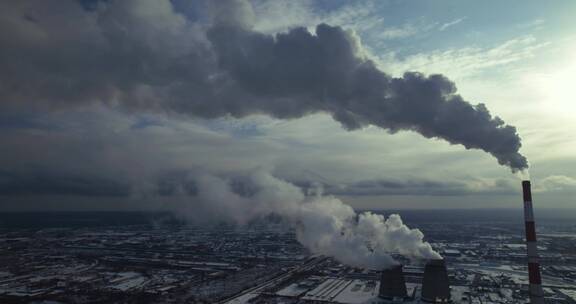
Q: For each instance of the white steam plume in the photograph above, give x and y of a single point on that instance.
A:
(324, 224)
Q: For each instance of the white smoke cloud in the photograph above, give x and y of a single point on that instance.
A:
(324, 224)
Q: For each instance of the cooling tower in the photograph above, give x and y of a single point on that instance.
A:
(435, 285)
(536, 293)
(392, 283)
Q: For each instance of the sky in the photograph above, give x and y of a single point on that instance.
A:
(121, 105)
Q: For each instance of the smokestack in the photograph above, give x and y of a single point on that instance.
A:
(435, 285)
(392, 283)
(536, 293)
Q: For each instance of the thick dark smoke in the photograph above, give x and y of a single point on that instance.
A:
(297, 73)
(143, 55)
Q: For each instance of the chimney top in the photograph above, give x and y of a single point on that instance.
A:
(392, 283)
(435, 284)
(527, 193)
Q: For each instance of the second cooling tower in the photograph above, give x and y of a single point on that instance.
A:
(435, 285)
(392, 283)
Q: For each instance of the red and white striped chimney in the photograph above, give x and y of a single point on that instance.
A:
(536, 293)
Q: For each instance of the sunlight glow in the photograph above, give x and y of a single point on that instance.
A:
(557, 87)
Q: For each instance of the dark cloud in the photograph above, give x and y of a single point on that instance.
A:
(53, 183)
(25, 120)
(182, 183)
(146, 122)
(186, 183)
(423, 187)
(415, 187)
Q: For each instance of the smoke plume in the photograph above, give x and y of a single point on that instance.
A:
(324, 224)
(296, 73)
(143, 55)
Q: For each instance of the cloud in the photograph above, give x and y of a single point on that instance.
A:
(465, 62)
(156, 158)
(555, 183)
(159, 162)
(53, 183)
(418, 187)
(360, 16)
(279, 16)
(398, 32)
(535, 24)
(445, 26)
